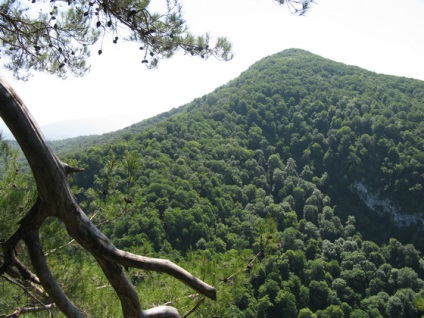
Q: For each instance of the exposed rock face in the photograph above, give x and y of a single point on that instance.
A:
(384, 207)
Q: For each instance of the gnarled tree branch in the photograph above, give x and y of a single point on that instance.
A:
(55, 199)
(26, 310)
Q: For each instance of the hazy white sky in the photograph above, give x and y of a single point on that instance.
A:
(385, 36)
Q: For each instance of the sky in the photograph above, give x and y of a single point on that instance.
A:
(385, 36)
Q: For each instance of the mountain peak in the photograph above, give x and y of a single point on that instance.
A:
(294, 52)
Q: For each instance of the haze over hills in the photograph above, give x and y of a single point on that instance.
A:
(296, 189)
(79, 127)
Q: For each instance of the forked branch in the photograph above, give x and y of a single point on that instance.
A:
(56, 200)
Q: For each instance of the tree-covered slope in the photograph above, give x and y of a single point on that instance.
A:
(355, 134)
(355, 125)
(270, 187)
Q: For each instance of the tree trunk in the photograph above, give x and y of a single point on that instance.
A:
(56, 200)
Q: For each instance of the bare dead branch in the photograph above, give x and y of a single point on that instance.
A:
(69, 169)
(31, 282)
(26, 310)
(56, 199)
(54, 250)
(25, 272)
(26, 291)
(161, 312)
(49, 283)
(10, 245)
(125, 290)
(164, 266)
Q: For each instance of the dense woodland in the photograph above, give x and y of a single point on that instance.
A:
(296, 189)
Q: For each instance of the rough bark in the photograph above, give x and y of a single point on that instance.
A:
(56, 200)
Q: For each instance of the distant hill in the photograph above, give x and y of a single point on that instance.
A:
(78, 127)
(81, 141)
(85, 127)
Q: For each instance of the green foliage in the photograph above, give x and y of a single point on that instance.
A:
(16, 191)
(57, 37)
(252, 188)
(16, 196)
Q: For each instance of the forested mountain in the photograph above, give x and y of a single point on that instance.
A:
(356, 135)
(296, 189)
